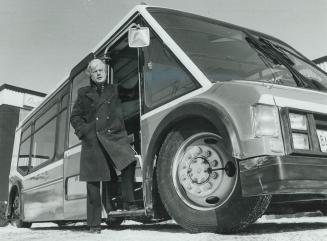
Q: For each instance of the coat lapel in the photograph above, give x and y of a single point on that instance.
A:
(106, 96)
(92, 94)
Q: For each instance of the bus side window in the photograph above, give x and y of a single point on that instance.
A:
(64, 102)
(23, 157)
(79, 81)
(44, 137)
(62, 127)
(165, 78)
(44, 144)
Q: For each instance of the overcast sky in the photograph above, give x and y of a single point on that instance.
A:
(41, 40)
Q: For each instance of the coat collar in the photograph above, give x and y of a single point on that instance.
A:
(92, 94)
(107, 94)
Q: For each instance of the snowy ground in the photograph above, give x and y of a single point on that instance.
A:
(265, 229)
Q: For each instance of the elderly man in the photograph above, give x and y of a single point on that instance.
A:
(98, 122)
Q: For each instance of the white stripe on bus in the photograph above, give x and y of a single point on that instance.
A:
(44, 169)
(72, 151)
(174, 102)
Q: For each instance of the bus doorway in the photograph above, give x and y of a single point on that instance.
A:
(123, 72)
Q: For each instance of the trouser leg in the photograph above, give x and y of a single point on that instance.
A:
(127, 187)
(93, 204)
(108, 191)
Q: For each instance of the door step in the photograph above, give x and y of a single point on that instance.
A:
(133, 213)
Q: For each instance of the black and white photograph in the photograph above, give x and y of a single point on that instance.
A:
(163, 120)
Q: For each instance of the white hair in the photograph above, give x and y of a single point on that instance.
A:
(93, 63)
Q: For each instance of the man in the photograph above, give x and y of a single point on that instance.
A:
(98, 122)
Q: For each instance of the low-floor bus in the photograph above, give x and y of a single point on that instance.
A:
(221, 117)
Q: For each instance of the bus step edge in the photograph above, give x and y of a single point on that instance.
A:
(133, 213)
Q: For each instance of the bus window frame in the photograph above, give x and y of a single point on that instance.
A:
(144, 108)
(44, 111)
(24, 173)
(61, 110)
(70, 109)
(25, 129)
(178, 63)
(52, 159)
(30, 124)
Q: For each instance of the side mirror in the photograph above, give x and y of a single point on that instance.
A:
(138, 37)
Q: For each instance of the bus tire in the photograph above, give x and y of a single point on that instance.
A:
(3, 218)
(198, 199)
(17, 210)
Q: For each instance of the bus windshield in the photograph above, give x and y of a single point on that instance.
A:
(224, 53)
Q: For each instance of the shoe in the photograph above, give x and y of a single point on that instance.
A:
(96, 229)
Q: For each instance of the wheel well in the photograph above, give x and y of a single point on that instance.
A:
(186, 123)
(192, 122)
(12, 194)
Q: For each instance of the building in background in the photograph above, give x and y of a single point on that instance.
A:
(322, 63)
(15, 104)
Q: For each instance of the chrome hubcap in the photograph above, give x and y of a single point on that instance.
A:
(202, 176)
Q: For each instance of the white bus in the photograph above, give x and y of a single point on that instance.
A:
(221, 118)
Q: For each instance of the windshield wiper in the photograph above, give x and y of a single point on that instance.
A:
(307, 82)
(314, 84)
(277, 50)
(257, 45)
(265, 47)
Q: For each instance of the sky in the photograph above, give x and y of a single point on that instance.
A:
(41, 40)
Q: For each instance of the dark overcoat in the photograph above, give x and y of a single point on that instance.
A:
(98, 122)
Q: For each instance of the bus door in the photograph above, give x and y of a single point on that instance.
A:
(74, 190)
(125, 74)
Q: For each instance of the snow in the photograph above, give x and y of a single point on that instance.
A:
(268, 228)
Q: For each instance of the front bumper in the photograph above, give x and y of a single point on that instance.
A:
(283, 175)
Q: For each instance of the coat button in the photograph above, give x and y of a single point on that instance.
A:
(97, 118)
(109, 131)
(107, 117)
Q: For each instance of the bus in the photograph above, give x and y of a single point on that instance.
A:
(321, 62)
(221, 117)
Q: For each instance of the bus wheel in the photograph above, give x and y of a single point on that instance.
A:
(199, 184)
(17, 213)
(3, 218)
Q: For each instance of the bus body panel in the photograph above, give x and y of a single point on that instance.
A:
(236, 100)
(75, 191)
(224, 97)
(43, 193)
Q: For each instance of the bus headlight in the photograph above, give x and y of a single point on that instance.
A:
(300, 141)
(298, 121)
(299, 128)
(265, 121)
